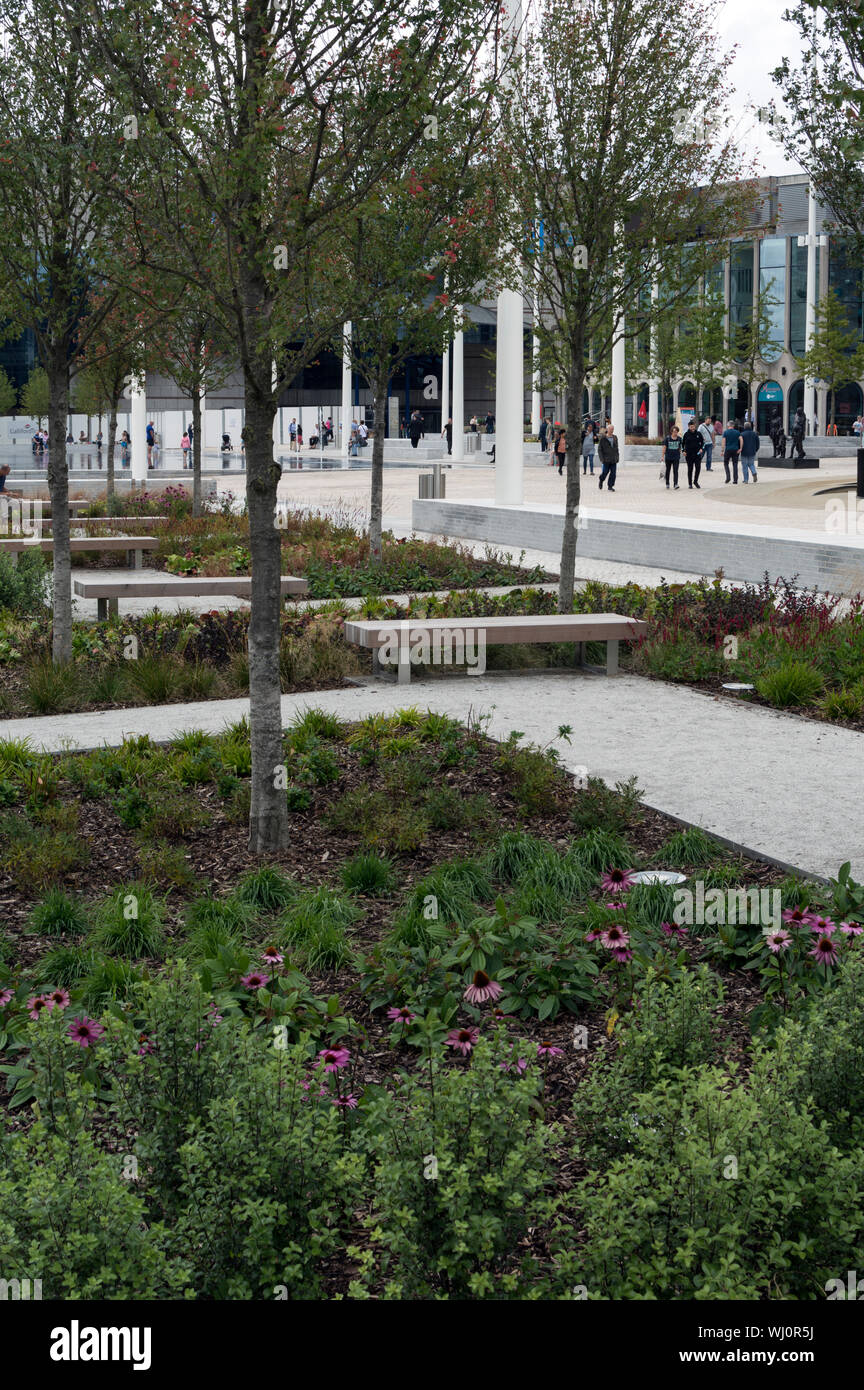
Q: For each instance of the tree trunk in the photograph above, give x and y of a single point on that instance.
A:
(109, 457)
(268, 817)
(376, 504)
(196, 453)
(58, 485)
(566, 583)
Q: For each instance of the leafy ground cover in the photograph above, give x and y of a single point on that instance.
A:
(443, 1046)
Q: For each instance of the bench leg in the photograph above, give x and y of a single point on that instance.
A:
(579, 653)
(404, 669)
(106, 606)
(612, 658)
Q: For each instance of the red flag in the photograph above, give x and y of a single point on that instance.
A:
(643, 412)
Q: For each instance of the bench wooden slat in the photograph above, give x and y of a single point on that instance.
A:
(515, 629)
(79, 543)
(108, 592)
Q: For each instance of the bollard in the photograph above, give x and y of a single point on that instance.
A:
(860, 488)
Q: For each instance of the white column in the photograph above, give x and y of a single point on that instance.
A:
(138, 426)
(619, 386)
(653, 384)
(810, 316)
(510, 365)
(445, 384)
(347, 404)
(536, 393)
(458, 411)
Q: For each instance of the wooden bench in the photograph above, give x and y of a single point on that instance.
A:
(132, 545)
(108, 592)
(401, 636)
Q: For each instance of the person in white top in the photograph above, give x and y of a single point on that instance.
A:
(706, 434)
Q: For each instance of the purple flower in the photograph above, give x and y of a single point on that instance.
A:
(545, 1049)
(482, 988)
(823, 926)
(463, 1039)
(5, 996)
(334, 1058)
(825, 950)
(614, 937)
(847, 928)
(85, 1031)
(401, 1015)
(616, 880)
(256, 979)
(778, 941)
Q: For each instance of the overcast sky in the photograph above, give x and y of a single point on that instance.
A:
(761, 37)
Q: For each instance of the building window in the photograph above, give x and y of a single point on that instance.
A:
(741, 288)
(845, 279)
(798, 297)
(772, 281)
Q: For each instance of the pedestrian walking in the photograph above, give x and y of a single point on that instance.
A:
(542, 434)
(447, 432)
(693, 450)
(607, 448)
(185, 444)
(732, 443)
(588, 448)
(706, 431)
(749, 450)
(672, 455)
(415, 428)
(561, 451)
(490, 422)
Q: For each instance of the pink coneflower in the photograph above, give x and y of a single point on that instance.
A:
(272, 955)
(334, 1058)
(622, 953)
(616, 880)
(545, 1049)
(345, 1102)
(482, 988)
(59, 998)
(823, 926)
(400, 1015)
(672, 929)
(825, 950)
(594, 935)
(5, 996)
(256, 979)
(37, 1003)
(778, 941)
(614, 936)
(463, 1039)
(85, 1031)
(847, 928)
(797, 916)
(616, 907)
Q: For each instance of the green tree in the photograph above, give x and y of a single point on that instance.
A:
(263, 127)
(589, 153)
(413, 263)
(835, 354)
(704, 348)
(36, 397)
(59, 215)
(823, 91)
(8, 394)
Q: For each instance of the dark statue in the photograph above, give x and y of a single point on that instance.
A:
(799, 429)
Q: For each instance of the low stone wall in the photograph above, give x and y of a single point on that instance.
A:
(833, 564)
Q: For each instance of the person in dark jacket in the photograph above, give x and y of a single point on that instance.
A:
(731, 450)
(693, 451)
(415, 428)
(542, 433)
(607, 448)
(749, 451)
(672, 454)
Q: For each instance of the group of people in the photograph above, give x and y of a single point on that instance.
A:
(696, 445)
(488, 423)
(553, 438)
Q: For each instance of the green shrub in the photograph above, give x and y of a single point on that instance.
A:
(66, 965)
(266, 890)
(369, 874)
(792, 683)
(454, 1195)
(23, 584)
(689, 849)
(173, 814)
(214, 922)
(129, 923)
(315, 926)
(103, 1242)
(132, 807)
(42, 858)
(548, 885)
(843, 704)
(726, 1192)
(108, 980)
(446, 808)
(372, 816)
(58, 915)
(155, 678)
(598, 806)
(448, 894)
(50, 689)
(600, 849)
(166, 866)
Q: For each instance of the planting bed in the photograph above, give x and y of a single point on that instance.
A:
(442, 1046)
